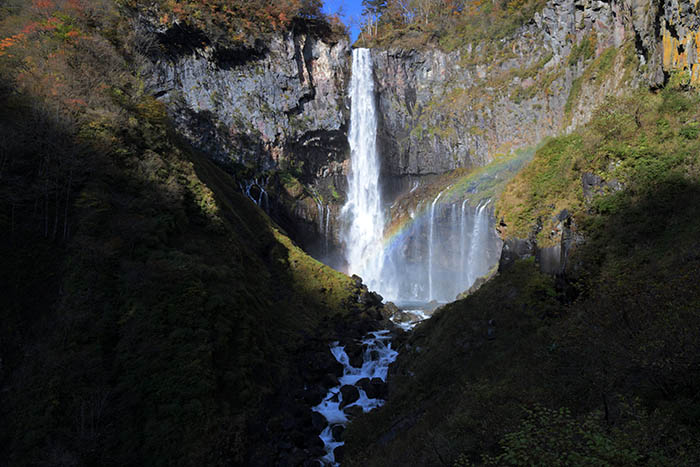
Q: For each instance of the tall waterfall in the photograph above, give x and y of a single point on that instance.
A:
(439, 254)
(363, 209)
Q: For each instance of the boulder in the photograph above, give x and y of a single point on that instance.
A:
(364, 384)
(402, 317)
(355, 353)
(389, 310)
(338, 453)
(330, 380)
(369, 299)
(318, 421)
(354, 411)
(378, 389)
(350, 394)
(337, 432)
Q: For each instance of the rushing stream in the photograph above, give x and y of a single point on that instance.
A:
(376, 358)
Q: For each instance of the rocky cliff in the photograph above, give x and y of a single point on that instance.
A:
(444, 111)
(277, 112)
(274, 114)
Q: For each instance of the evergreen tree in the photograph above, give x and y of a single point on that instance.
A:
(372, 10)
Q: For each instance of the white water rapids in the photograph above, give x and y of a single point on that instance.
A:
(376, 358)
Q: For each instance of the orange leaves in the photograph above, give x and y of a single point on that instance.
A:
(31, 27)
(10, 42)
(52, 24)
(76, 103)
(75, 5)
(43, 7)
(241, 17)
(43, 4)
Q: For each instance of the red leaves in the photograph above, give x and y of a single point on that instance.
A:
(76, 102)
(31, 27)
(43, 4)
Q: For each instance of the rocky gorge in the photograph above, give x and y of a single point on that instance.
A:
(276, 116)
(189, 188)
(278, 112)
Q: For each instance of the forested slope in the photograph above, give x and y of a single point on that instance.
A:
(151, 313)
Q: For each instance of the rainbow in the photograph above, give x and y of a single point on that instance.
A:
(475, 186)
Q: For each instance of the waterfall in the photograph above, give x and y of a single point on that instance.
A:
(463, 245)
(363, 209)
(261, 198)
(327, 229)
(436, 255)
(430, 246)
(476, 263)
(319, 208)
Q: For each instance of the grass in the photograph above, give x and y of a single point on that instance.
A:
(637, 140)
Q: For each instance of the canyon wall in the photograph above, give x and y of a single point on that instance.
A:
(274, 115)
(277, 113)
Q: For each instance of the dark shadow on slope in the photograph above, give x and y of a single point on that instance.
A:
(623, 360)
(160, 327)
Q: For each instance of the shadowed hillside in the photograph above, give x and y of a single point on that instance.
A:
(598, 366)
(152, 314)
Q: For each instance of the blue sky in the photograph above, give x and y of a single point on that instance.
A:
(351, 9)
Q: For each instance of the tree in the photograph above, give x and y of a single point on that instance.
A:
(372, 11)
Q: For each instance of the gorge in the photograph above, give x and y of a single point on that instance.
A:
(231, 235)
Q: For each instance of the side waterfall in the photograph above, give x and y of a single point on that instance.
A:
(441, 252)
(363, 209)
(430, 246)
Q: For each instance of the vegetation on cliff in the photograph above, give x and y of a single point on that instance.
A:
(599, 367)
(638, 142)
(149, 310)
(450, 23)
(241, 21)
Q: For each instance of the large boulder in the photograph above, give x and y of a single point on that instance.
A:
(350, 394)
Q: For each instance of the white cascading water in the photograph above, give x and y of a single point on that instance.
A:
(440, 253)
(363, 209)
(376, 358)
(463, 242)
(476, 262)
(430, 246)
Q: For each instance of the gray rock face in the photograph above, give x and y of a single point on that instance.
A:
(283, 104)
(279, 105)
(515, 249)
(441, 111)
(262, 107)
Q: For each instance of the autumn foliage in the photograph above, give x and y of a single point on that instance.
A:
(453, 23)
(240, 19)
